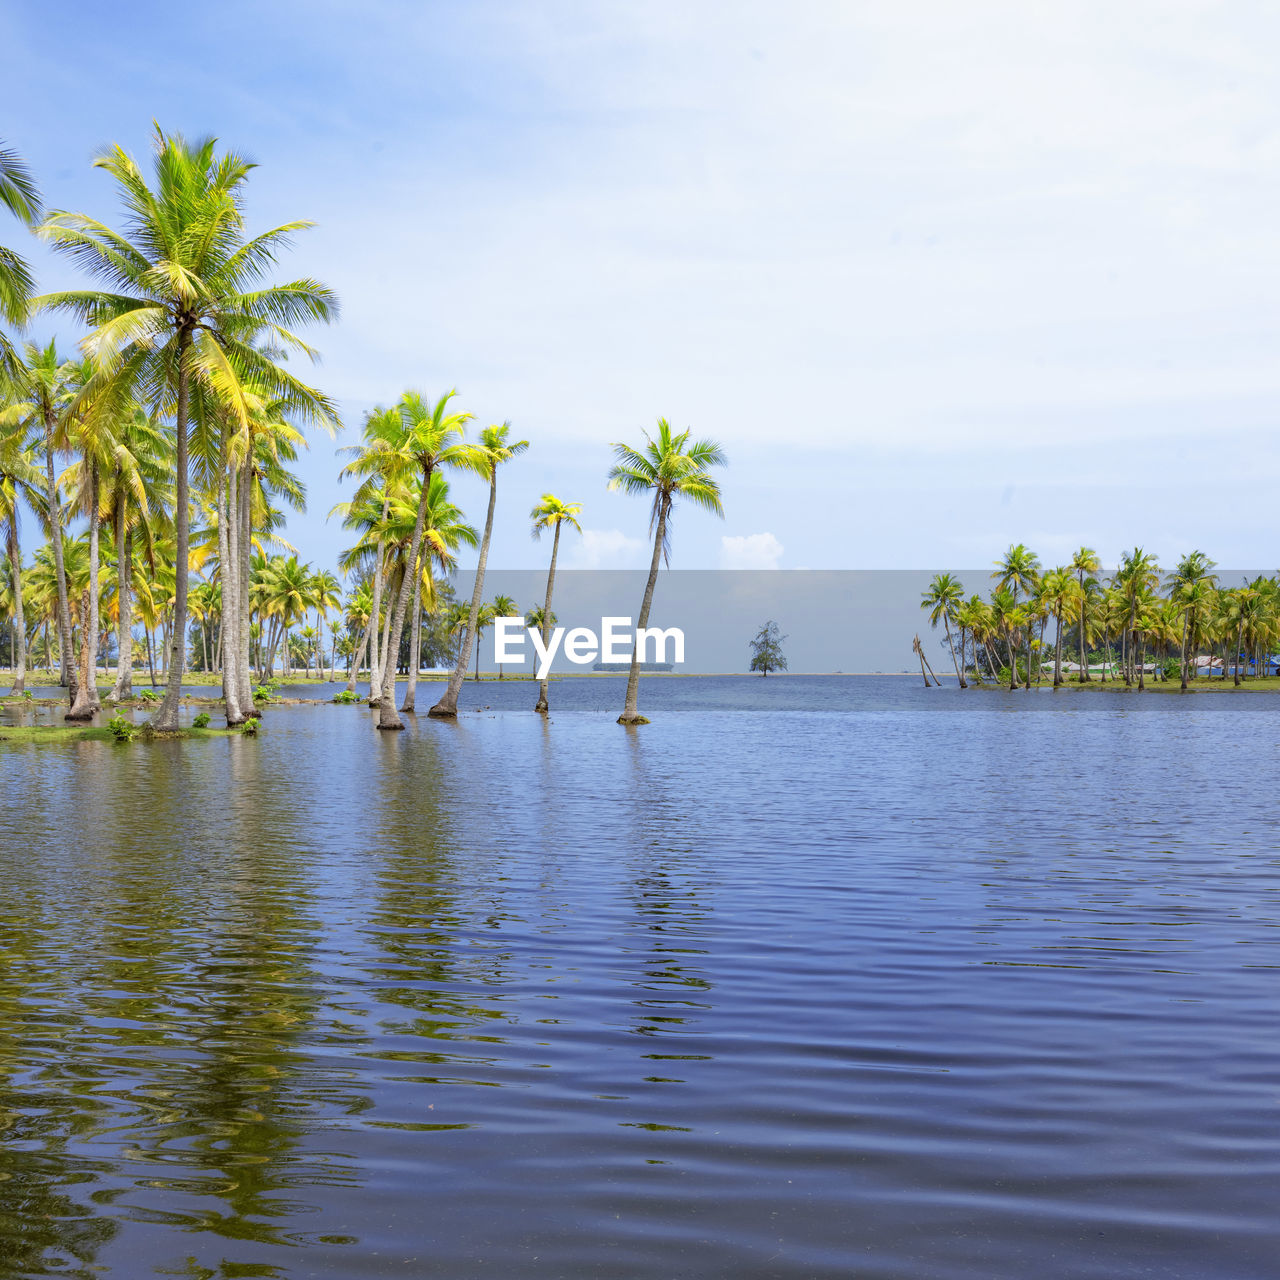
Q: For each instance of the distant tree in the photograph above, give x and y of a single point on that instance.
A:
(766, 650)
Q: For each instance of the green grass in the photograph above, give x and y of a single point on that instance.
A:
(1265, 684)
(58, 733)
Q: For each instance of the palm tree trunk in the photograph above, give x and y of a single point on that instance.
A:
(377, 659)
(243, 623)
(66, 676)
(357, 658)
(1239, 643)
(1057, 653)
(123, 686)
(946, 626)
(167, 717)
(1142, 660)
(388, 716)
(415, 641)
(228, 575)
(1186, 655)
(1084, 659)
(19, 654)
(86, 701)
(478, 658)
(543, 703)
(630, 712)
(447, 707)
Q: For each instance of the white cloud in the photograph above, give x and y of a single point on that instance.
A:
(609, 549)
(750, 551)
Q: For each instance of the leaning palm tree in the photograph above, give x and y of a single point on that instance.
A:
(942, 599)
(18, 194)
(551, 513)
(493, 450)
(183, 308)
(669, 467)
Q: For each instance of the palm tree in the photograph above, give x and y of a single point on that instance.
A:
(484, 620)
(326, 594)
(493, 450)
(184, 309)
(1084, 563)
(443, 531)
(502, 607)
(942, 599)
(1018, 570)
(427, 435)
(18, 194)
(136, 496)
(669, 467)
(1061, 593)
(44, 387)
(1137, 578)
(551, 513)
(19, 479)
(1192, 585)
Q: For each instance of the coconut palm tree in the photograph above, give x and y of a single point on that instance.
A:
(1017, 572)
(1192, 585)
(942, 599)
(432, 437)
(667, 466)
(43, 386)
(1084, 564)
(1137, 578)
(444, 530)
(136, 496)
(1060, 592)
(551, 513)
(495, 449)
(502, 607)
(184, 307)
(326, 594)
(18, 194)
(20, 480)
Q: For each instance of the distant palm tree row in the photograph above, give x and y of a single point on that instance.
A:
(1133, 622)
(169, 438)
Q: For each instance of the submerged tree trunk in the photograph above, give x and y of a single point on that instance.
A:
(543, 703)
(447, 707)
(630, 709)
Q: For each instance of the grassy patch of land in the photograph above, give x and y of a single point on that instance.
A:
(63, 733)
(1262, 684)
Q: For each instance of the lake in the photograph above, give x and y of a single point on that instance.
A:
(810, 977)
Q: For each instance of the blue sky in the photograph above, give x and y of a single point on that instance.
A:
(940, 277)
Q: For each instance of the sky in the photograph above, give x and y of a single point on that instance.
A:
(939, 277)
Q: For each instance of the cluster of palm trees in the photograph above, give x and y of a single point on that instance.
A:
(1134, 622)
(169, 437)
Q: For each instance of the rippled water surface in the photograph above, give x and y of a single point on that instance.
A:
(810, 977)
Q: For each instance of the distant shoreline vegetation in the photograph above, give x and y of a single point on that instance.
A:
(1136, 627)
